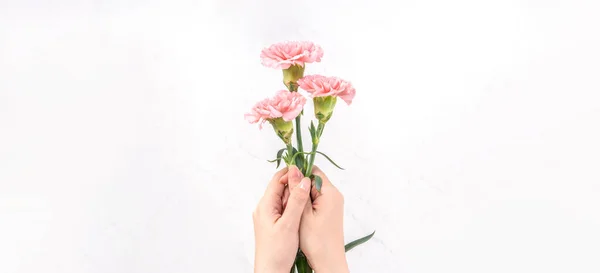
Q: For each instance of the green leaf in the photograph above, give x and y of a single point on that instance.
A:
(274, 160)
(298, 160)
(330, 160)
(302, 263)
(312, 130)
(318, 183)
(279, 153)
(357, 242)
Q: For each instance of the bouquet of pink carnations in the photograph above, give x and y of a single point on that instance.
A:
(283, 111)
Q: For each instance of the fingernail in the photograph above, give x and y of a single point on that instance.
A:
(304, 184)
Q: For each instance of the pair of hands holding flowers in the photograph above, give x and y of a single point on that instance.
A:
(296, 223)
(292, 214)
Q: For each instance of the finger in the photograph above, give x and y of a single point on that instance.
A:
(296, 204)
(317, 171)
(291, 178)
(308, 209)
(284, 179)
(286, 196)
(275, 188)
(326, 182)
(294, 176)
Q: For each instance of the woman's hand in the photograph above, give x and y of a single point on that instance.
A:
(276, 230)
(322, 227)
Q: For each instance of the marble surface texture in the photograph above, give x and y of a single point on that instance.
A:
(472, 145)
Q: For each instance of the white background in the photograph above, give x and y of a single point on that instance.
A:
(473, 144)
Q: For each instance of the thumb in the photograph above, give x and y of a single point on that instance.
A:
(296, 204)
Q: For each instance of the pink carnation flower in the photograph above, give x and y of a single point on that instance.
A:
(285, 104)
(321, 86)
(285, 54)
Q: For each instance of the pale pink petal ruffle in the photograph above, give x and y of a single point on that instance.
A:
(322, 86)
(284, 104)
(285, 54)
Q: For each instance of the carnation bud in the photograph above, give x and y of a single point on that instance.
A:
(324, 107)
(283, 129)
(291, 76)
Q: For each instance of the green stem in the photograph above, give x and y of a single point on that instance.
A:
(290, 150)
(315, 144)
(299, 134)
(299, 153)
(293, 87)
(299, 140)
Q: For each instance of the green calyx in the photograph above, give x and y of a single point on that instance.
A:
(283, 129)
(324, 107)
(291, 76)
